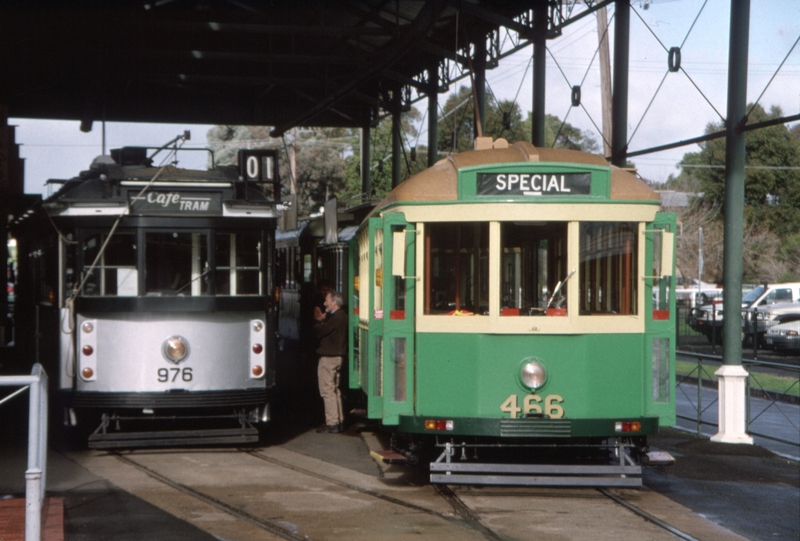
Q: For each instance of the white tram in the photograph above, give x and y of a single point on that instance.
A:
(151, 288)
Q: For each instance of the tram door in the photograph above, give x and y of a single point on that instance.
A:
(399, 283)
(660, 319)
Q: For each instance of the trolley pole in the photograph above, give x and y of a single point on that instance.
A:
(732, 376)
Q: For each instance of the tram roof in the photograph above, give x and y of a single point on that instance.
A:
(282, 64)
(440, 182)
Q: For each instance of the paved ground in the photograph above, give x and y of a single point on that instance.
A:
(745, 489)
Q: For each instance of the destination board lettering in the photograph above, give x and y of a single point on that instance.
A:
(176, 203)
(534, 184)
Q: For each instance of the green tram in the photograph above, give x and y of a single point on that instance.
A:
(512, 318)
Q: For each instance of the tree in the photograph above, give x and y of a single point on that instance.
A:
(772, 198)
(412, 161)
(772, 188)
(320, 158)
(503, 119)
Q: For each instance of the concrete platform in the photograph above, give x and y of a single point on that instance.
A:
(745, 491)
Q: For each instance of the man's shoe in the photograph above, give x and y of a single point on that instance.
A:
(329, 429)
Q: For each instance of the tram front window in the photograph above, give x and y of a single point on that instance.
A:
(114, 273)
(176, 264)
(238, 262)
(457, 268)
(608, 268)
(534, 259)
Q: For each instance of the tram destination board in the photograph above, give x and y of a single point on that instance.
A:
(177, 203)
(534, 184)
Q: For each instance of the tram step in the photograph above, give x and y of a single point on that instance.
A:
(658, 458)
(536, 474)
(388, 456)
(128, 440)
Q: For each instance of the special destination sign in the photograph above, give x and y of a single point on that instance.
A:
(534, 184)
(177, 203)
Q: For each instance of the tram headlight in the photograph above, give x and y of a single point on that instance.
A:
(533, 375)
(175, 348)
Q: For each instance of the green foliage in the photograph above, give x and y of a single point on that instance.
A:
(503, 119)
(320, 157)
(772, 192)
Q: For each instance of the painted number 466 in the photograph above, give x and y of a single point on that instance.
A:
(532, 404)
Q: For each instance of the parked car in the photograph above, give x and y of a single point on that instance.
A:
(760, 319)
(785, 337)
(707, 319)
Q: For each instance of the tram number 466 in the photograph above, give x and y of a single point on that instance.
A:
(166, 375)
(532, 403)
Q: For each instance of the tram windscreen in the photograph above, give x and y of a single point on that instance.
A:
(534, 259)
(238, 263)
(457, 268)
(114, 273)
(176, 263)
(608, 268)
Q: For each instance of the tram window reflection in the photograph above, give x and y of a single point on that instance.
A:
(238, 263)
(457, 268)
(534, 259)
(176, 264)
(115, 273)
(608, 268)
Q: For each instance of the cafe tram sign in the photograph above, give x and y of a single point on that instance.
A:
(176, 203)
(534, 184)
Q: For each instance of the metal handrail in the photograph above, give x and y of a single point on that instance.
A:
(36, 474)
(716, 359)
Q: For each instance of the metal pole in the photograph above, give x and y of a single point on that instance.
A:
(732, 376)
(397, 148)
(366, 173)
(479, 67)
(619, 102)
(539, 73)
(734, 181)
(433, 112)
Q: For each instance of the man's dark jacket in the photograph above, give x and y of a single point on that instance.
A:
(332, 334)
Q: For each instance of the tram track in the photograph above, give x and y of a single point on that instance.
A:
(265, 524)
(645, 515)
(464, 516)
(469, 519)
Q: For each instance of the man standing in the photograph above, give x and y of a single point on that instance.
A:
(331, 330)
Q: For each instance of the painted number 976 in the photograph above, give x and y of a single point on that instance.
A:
(166, 375)
(532, 403)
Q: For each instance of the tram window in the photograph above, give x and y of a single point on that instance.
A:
(238, 262)
(176, 264)
(608, 268)
(457, 268)
(115, 271)
(534, 259)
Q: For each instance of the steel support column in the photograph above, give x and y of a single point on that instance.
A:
(539, 72)
(619, 100)
(397, 144)
(479, 69)
(732, 402)
(433, 112)
(366, 171)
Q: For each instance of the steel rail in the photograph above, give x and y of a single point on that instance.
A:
(644, 514)
(265, 524)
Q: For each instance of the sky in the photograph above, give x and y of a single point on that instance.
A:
(661, 109)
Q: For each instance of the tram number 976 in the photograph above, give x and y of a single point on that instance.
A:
(166, 375)
(531, 405)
